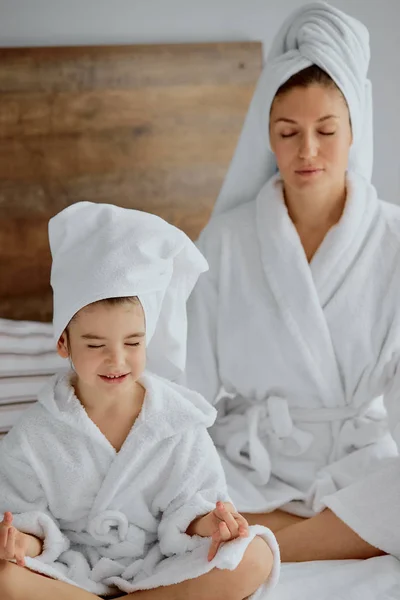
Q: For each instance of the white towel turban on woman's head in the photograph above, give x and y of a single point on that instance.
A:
(103, 251)
(316, 34)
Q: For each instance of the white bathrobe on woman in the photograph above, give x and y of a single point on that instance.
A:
(306, 354)
(304, 351)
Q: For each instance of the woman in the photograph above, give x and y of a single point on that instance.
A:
(298, 319)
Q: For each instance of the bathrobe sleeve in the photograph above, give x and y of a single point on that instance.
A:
(392, 399)
(22, 494)
(202, 372)
(194, 485)
(370, 506)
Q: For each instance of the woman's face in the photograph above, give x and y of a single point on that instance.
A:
(310, 135)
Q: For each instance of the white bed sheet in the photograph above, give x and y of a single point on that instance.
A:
(373, 579)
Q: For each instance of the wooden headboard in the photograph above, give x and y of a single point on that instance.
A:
(147, 127)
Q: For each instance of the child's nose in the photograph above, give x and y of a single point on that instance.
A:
(116, 356)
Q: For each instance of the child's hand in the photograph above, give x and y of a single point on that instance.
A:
(228, 525)
(222, 524)
(13, 543)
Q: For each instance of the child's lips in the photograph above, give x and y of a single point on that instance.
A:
(114, 379)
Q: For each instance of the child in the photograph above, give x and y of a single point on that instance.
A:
(111, 484)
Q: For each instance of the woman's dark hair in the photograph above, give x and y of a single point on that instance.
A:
(312, 75)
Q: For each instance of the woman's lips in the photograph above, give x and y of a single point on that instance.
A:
(309, 172)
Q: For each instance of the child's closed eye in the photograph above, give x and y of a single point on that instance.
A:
(135, 344)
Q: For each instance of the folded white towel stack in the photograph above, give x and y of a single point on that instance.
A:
(27, 360)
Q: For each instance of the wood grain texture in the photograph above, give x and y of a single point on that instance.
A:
(148, 127)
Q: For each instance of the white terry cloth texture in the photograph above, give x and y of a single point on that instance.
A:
(27, 349)
(25, 337)
(16, 389)
(20, 365)
(28, 359)
(101, 251)
(320, 34)
(117, 520)
(307, 352)
(301, 426)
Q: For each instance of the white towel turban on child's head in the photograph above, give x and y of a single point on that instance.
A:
(320, 34)
(103, 251)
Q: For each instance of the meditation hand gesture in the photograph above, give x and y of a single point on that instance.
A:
(222, 525)
(13, 544)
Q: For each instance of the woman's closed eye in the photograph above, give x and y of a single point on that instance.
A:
(293, 133)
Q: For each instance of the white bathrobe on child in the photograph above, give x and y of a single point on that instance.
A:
(117, 520)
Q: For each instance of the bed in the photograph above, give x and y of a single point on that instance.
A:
(147, 127)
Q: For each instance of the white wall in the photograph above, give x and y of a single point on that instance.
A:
(69, 22)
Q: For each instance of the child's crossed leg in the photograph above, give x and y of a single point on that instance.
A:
(18, 583)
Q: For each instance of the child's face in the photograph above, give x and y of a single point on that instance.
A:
(107, 345)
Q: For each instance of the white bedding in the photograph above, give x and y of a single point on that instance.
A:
(373, 579)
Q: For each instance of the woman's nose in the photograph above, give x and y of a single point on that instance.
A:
(308, 147)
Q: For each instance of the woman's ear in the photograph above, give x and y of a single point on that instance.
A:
(62, 345)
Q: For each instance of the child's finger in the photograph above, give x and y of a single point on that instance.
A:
(227, 505)
(226, 516)
(232, 524)
(224, 532)
(20, 557)
(7, 519)
(222, 535)
(215, 544)
(20, 549)
(10, 544)
(221, 509)
(241, 521)
(243, 531)
(5, 526)
(3, 536)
